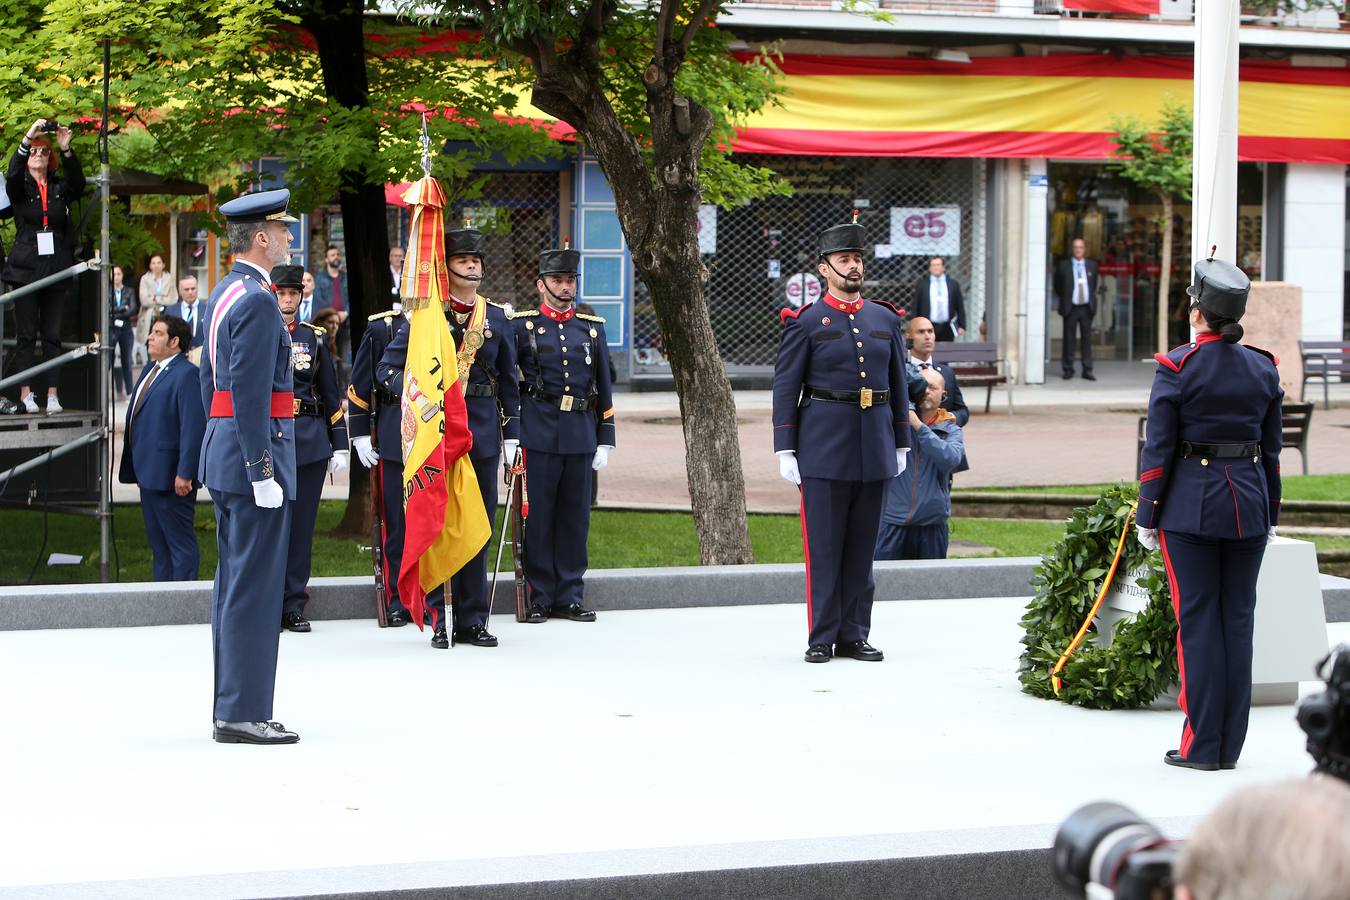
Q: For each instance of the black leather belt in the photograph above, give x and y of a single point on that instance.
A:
(564, 402)
(1218, 451)
(480, 390)
(307, 408)
(864, 398)
(387, 398)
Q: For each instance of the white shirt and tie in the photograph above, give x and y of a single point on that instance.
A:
(190, 317)
(143, 389)
(306, 310)
(939, 313)
(1080, 286)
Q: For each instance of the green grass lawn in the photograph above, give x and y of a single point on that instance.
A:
(619, 539)
(1296, 487)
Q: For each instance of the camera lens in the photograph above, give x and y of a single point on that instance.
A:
(1093, 841)
(1315, 717)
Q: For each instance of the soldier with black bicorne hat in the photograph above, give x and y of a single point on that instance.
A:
(1209, 498)
(566, 434)
(841, 432)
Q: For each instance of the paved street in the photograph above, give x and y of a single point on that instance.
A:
(1073, 432)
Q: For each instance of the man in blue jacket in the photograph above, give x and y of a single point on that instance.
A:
(163, 437)
(919, 499)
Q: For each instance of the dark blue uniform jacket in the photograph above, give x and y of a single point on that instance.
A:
(365, 396)
(841, 346)
(493, 370)
(1210, 392)
(319, 426)
(553, 351)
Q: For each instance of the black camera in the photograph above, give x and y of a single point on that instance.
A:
(915, 384)
(1325, 717)
(1105, 850)
(50, 126)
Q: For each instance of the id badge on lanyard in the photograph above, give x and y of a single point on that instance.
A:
(46, 241)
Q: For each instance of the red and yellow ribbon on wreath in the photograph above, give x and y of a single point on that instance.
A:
(1055, 680)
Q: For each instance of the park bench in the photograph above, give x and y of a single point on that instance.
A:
(976, 364)
(1323, 359)
(1296, 422)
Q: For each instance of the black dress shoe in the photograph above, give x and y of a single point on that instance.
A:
(574, 611)
(439, 639)
(1066, 376)
(536, 615)
(253, 733)
(1174, 758)
(1088, 376)
(818, 653)
(398, 618)
(859, 650)
(1224, 765)
(475, 636)
(293, 621)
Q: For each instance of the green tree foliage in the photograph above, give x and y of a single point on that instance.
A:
(216, 86)
(1158, 161)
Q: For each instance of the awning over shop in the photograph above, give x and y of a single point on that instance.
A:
(1136, 7)
(1016, 107)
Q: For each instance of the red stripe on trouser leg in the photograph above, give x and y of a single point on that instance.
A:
(806, 552)
(1173, 586)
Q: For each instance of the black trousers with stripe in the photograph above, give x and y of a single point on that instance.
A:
(1213, 586)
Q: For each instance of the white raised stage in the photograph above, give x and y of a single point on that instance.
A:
(661, 743)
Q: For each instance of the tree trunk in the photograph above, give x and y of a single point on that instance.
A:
(339, 33)
(658, 211)
(1165, 275)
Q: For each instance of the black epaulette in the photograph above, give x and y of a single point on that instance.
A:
(1266, 353)
(384, 315)
(590, 318)
(521, 314)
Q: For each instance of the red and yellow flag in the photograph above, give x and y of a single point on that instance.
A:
(446, 524)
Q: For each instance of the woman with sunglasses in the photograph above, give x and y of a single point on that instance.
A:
(1209, 498)
(42, 182)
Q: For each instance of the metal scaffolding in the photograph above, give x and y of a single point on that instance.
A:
(60, 427)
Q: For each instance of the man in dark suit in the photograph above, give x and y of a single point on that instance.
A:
(1075, 287)
(937, 298)
(191, 310)
(922, 337)
(165, 423)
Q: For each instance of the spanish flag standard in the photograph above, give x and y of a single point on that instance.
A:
(446, 524)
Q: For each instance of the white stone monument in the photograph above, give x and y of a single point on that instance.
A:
(1291, 625)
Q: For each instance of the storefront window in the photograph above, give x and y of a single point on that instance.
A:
(1122, 227)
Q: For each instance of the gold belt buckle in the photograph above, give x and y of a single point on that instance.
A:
(295, 404)
(865, 398)
(565, 404)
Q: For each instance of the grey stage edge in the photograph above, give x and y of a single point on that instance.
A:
(1000, 863)
(189, 602)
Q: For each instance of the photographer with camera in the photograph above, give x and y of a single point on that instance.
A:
(42, 183)
(914, 520)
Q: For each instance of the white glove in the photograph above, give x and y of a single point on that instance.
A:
(901, 459)
(787, 467)
(338, 462)
(510, 447)
(1271, 535)
(366, 453)
(268, 494)
(601, 457)
(1147, 536)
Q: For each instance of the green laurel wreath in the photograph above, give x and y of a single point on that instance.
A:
(1141, 663)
